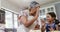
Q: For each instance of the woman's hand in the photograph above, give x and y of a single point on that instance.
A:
(37, 13)
(43, 27)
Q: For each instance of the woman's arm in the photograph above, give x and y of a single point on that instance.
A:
(29, 23)
(43, 28)
(26, 22)
(43, 25)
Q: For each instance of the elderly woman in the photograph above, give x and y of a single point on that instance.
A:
(29, 21)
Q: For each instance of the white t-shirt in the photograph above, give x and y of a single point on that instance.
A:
(22, 28)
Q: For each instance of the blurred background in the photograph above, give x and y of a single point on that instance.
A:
(10, 10)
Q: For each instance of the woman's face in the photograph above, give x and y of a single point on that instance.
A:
(33, 10)
(49, 18)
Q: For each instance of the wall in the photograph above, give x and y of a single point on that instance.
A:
(50, 3)
(58, 10)
(6, 4)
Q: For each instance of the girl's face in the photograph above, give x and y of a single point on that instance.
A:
(33, 10)
(49, 18)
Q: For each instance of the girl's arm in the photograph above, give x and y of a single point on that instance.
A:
(57, 27)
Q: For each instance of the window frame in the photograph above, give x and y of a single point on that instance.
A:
(4, 9)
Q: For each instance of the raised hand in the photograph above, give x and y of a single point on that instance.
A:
(51, 29)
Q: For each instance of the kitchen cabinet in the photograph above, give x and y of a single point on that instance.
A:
(45, 10)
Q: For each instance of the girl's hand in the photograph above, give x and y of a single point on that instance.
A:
(51, 29)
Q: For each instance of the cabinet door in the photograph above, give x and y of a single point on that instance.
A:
(50, 9)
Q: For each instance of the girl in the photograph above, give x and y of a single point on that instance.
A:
(50, 26)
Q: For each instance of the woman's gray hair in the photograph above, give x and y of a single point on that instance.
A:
(34, 4)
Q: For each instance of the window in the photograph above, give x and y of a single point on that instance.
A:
(15, 21)
(11, 19)
(8, 19)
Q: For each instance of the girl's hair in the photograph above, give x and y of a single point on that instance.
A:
(52, 14)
